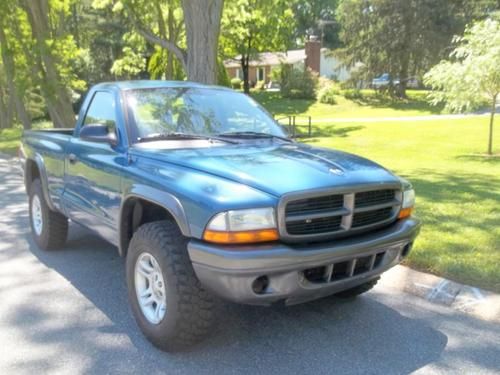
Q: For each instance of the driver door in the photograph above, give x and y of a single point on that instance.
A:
(93, 172)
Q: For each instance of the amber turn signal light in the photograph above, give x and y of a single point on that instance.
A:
(251, 236)
(405, 212)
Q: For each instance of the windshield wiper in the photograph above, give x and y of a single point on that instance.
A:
(249, 134)
(178, 135)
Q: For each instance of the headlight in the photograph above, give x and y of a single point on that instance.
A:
(242, 226)
(408, 198)
(408, 202)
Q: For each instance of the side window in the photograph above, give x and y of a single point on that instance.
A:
(102, 110)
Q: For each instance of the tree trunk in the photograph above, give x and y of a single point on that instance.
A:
(202, 19)
(56, 95)
(245, 69)
(492, 118)
(3, 110)
(10, 72)
(170, 57)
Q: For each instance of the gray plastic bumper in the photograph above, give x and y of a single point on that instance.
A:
(230, 271)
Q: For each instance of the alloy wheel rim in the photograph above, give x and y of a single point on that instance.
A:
(150, 288)
(36, 215)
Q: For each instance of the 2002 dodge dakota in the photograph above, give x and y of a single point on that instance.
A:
(204, 194)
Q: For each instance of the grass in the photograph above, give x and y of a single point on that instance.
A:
(458, 189)
(370, 105)
(10, 138)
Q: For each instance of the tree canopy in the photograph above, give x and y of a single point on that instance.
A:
(51, 51)
(403, 37)
(253, 26)
(472, 75)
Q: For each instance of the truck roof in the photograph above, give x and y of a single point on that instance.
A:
(152, 84)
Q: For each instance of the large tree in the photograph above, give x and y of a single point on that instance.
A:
(403, 37)
(253, 26)
(13, 68)
(472, 75)
(201, 20)
(51, 43)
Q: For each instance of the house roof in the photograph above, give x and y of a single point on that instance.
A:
(270, 58)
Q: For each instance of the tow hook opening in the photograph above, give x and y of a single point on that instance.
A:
(260, 284)
(406, 250)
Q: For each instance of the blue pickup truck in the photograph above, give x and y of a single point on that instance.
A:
(206, 197)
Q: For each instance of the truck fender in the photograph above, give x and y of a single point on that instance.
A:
(38, 160)
(161, 198)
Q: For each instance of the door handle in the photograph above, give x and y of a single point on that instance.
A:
(72, 158)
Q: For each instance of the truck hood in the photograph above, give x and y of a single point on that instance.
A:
(274, 168)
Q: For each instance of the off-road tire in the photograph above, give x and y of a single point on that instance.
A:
(54, 225)
(357, 290)
(189, 308)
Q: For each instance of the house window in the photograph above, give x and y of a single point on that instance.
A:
(260, 74)
(238, 74)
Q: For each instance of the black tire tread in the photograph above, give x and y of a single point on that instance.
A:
(55, 224)
(195, 306)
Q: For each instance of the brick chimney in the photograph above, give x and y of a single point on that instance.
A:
(313, 53)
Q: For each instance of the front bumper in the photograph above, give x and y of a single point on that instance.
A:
(230, 272)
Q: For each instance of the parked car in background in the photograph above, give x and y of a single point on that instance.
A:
(383, 82)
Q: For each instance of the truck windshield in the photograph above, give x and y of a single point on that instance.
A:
(196, 111)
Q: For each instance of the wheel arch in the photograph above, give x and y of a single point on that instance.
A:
(146, 204)
(35, 168)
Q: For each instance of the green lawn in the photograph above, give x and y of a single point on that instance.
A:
(458, 190)
(9, 140)
(369, 106)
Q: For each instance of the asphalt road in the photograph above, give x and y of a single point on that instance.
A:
(67, 312)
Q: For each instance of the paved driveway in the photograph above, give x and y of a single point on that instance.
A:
(67, 312)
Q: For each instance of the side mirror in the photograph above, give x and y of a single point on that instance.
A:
(98, 133)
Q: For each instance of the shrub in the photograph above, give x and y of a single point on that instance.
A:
(222, 76)
(327, 95)
(352, 94)
(325, 82)
(236, 83)
(298, 83)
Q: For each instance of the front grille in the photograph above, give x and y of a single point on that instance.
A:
(371, 217)
(371, 198)
(344, 269)
(330, 215)
(316, 204)
(321, 225)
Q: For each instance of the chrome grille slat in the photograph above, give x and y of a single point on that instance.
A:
(337, 212)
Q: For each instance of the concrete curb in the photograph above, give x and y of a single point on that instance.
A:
(467, 299)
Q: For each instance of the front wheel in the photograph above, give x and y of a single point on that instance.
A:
(168, 302)
(48, 228)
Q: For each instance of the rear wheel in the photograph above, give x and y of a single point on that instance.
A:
(357, 290)
(168, 302)
(48, 228)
